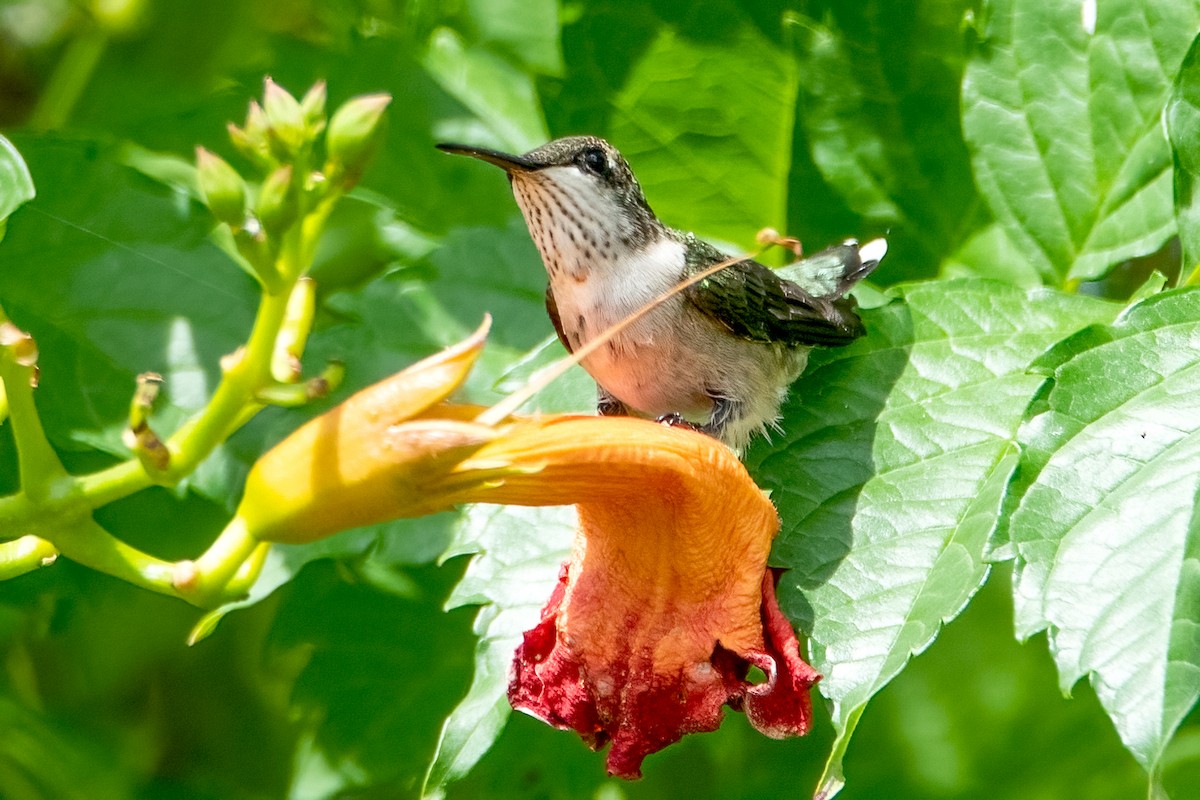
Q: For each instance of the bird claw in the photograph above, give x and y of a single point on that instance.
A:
(676, 421)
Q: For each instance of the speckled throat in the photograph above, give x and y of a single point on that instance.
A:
(578, 229)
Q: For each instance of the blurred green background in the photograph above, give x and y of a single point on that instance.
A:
(737, 115)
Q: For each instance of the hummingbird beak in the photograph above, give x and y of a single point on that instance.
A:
(509, 163)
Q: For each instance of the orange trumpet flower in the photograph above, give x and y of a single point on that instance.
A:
(666, 601)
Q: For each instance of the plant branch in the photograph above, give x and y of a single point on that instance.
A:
(25, 555)
(38, 464)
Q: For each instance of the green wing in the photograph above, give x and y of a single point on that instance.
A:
(756, 303)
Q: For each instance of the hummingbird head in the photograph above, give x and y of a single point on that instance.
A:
(583, 205)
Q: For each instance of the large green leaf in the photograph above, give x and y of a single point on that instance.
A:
(1105, 531)
(706, 122)
(114, 275)
(883, 122)
(505, 108)
(1062, 107)
(518, 552)
(527, 31)
(890, 471)
(380, 671)
(1183, 127)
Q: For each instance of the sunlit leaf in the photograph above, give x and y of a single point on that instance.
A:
(1183, 126)
(528, 31)
(1105, 530)
(1062, 109)
(16, 184)
(497, 93)
(707, 124)
(890, 471)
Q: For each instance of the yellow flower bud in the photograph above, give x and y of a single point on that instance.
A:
(353, 135)
(358, 464)
(223, 189)
(285, 119)
(278, 201)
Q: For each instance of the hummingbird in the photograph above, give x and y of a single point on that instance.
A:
(717, 357)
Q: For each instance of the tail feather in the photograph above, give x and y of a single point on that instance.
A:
(834, 271)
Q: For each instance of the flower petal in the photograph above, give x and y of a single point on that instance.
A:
(666, 601)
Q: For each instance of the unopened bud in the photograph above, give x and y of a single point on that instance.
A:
(285, 119)
(370, 459)
(354, 134)
(278, 205)
(223, 189)
(252, 140)
(256, 122)
(313, 108)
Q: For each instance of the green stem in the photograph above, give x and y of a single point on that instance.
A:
(25, 555)
(89, 544)
(63, 517)
(248, 573)
(38, 464)
(70, 78)
(234, 396)
(231, 405)
(224, 572)
(234, 558)
(108, 485)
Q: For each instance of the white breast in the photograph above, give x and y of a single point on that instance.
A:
(598, 281)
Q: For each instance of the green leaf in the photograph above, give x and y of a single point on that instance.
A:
(990, 253)
(380, 672)
(518, 553)
(525, 30)
(1062, 113)
(1105, 530)
(44, 759)
(883, 121)
(500, 97)
(707, 123)
(891, 468)
(16, 184)
(1183, 128)
(136, 286)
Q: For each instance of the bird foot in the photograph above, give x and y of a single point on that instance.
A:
(677, 421)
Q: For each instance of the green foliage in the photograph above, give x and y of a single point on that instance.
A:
(984, 419)
(16, 184)
(882, 122)
(1093, 452)
(891, 469)
(1183, 126)
(1063, 116)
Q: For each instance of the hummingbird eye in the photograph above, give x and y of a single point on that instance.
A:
(594, 160)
